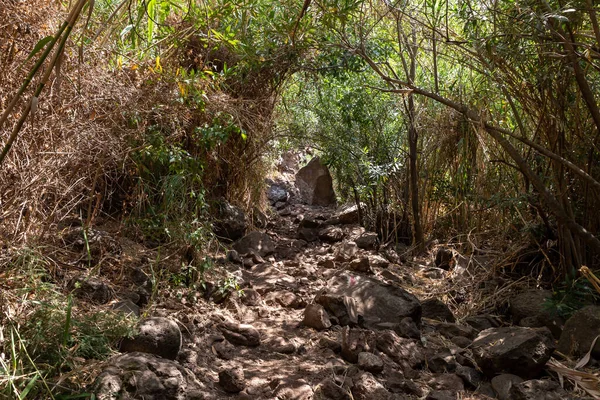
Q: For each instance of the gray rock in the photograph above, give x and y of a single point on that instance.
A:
(376, 302)
(367, 241)
(346, 215)
(255, 242)
(145, 376)
(366, 387)
(542, 389)
(503, 383)
(315, 184)
(341, 308)
(331, 234)
(361, 264)
(450, 330)
(441, 395)
(345, 251)
(377, 261)
(529, 309)
(156, 335)
(444, 258)
(232, 380)
(516, 350)
(470, 376)
(446, 382)
(127, 307)
(406, 352)
(316, 317)
(292, 389)
(330, 389)
(240, 334)
(277, 193)
(355, 341)
(438, 310)
(579, 332)
(370, 362)
(230, 221)
(482, 322)
(91, 289)
(442, 361)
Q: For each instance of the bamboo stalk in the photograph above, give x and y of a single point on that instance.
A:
(32, 73)
(70, 23)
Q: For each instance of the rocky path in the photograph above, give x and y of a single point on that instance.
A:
(324, 311)
(324, 314)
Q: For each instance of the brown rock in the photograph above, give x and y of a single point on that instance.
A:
(232, 380)
(370, 362)
(377, 302)
(406, 352)
(580, 331)
(315, 184)
(256, 243)
(355, 341)
(366, 387)
(156, 335)
(240, 334)
(316, 317)
(446, 382)
(517, 350)
(361, 264)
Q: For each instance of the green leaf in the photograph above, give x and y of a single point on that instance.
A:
(40, 45)
(29, 386)
(125, 31)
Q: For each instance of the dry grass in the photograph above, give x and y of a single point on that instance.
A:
(72, 158)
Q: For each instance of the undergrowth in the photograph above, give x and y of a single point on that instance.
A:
(45, 335)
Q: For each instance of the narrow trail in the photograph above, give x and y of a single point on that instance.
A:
(326, 312)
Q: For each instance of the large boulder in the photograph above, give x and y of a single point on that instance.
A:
(255, 242)
(156, 335)
(230, 221)
(382, 306)
(580, 331)
(315, 184)
(145, 376)
(516, 350)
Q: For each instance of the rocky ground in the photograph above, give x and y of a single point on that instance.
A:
(324, 311)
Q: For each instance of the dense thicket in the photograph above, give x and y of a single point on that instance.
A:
(494, 105)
